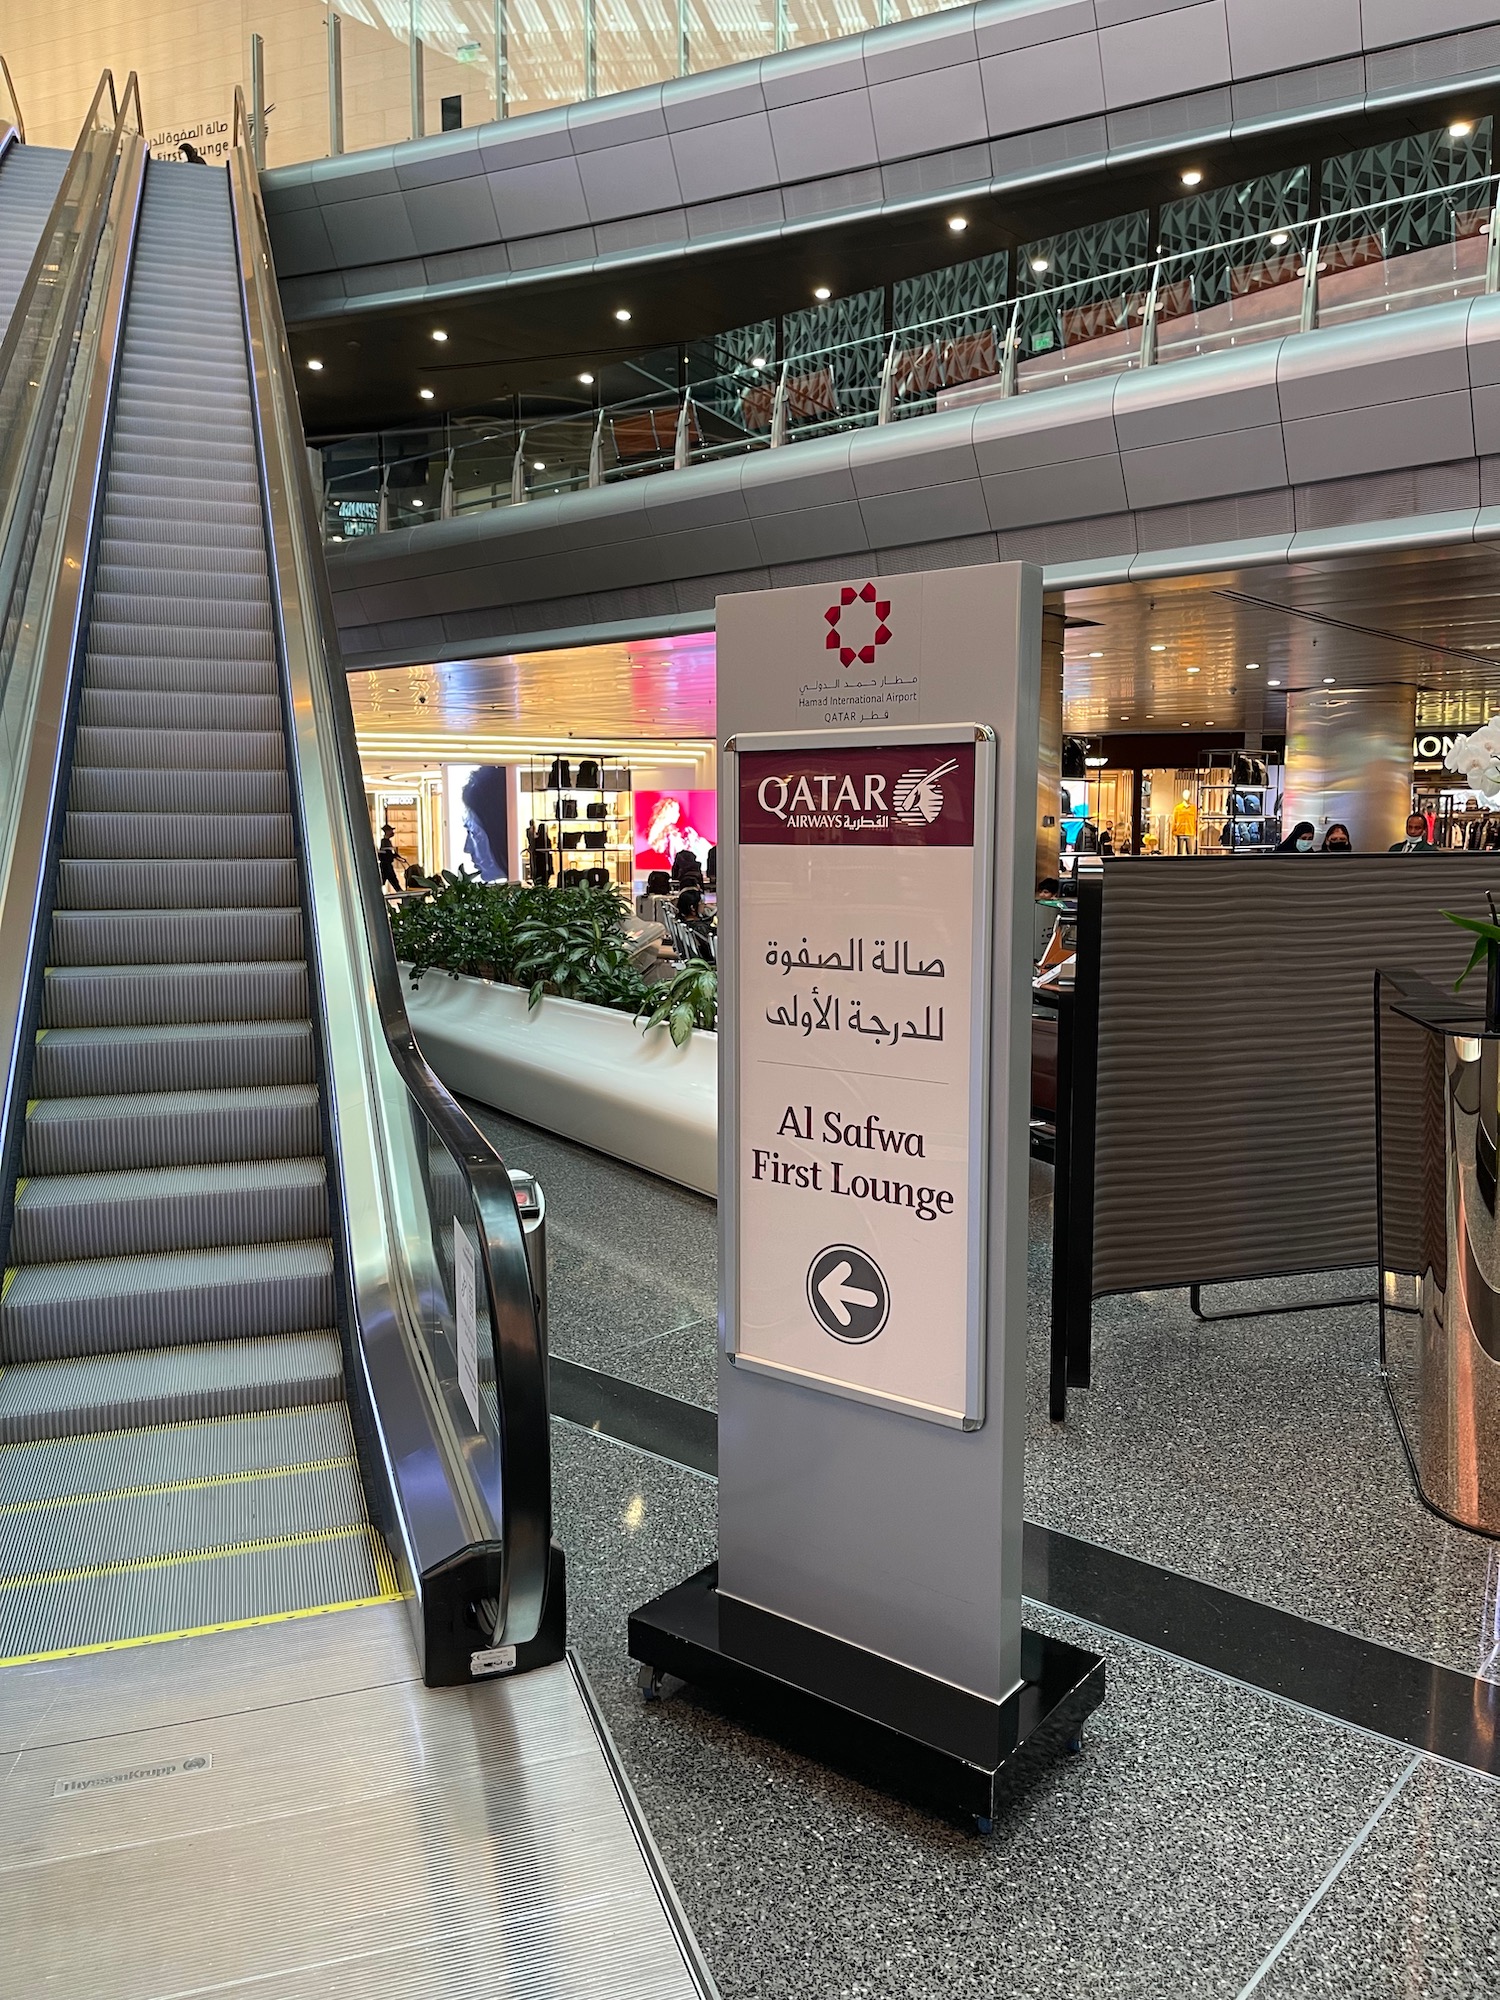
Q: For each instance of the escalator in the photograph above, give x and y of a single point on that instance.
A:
(170, 1254)
(268, 1340)
(30, 177)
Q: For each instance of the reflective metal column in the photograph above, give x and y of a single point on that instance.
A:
(1348, 757)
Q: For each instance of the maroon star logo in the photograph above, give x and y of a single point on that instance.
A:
(841, 637)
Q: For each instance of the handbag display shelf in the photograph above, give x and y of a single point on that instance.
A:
(562, 793)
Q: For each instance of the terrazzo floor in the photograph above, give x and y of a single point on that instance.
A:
(1209, 1840)
(1257, 1454)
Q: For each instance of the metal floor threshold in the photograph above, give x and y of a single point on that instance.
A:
(288, 1812)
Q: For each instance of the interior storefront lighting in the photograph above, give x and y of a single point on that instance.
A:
(538, 465)
(1040, 264)
(438, 334)
(316, 367)
(622, 314)
(1191, 176)
(1273, 684)
(1252, 666)
(822, 292)
(1195, 670)
(587, 380)
(426, 395)
(958, 224)
(1096, 763)
(1158, 648)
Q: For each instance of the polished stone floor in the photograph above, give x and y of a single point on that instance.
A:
(1212, 1839)
(1209, 1841)
(1258, 1454)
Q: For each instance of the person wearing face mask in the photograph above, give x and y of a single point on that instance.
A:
(1416, 841)
(1336, 840)
(1299, 840)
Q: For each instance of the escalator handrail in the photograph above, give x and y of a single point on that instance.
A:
(48, 580)
(524, 1530)
(18, 123)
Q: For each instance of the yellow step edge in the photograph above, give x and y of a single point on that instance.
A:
(391, 1596)
(138, 1565)
(242, 1478)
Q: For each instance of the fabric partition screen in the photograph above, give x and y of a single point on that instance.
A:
(1234, 1126)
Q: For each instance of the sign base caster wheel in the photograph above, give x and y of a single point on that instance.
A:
(983, 1825)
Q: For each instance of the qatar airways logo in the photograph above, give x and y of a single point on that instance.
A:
(828, 798)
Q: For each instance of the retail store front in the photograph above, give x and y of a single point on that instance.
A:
(581, 766)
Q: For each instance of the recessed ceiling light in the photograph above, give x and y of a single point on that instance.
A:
(438, 334)
(538, 465)
(1273, 684)
(1195, 670)
(587, 381)
(425, 394)
(1158, 649)
(757, 361)
(416, 503)
(822, 292)
(316, 367)
(1252, 666)
(1187, 725)
(1280, 238)
(958, 224)
(1096, 656)
(622, 314)
(1191, 176)
(1040, 264)
(1329, 679)
(1460, 128)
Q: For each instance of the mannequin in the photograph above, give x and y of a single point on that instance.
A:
(1185, 825)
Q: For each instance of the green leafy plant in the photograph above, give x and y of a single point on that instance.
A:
(687, 1001)
(1486, 937)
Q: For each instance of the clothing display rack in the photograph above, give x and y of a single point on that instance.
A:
(1239, 801)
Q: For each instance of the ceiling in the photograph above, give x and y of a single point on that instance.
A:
(1428, 618)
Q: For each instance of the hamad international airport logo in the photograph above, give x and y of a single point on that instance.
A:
(918, 797)
(858, 625)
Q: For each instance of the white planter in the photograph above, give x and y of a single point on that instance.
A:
(585, 1072)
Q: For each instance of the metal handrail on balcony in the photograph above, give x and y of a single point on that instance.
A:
(1358, 263)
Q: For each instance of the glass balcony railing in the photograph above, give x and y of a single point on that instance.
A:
(1361, 263)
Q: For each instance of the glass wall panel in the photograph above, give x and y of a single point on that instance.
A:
(544, 40)
(1220, 215)
(637, 43)
(721, 32)
(808, 21)
(377, 73)
(458, 62)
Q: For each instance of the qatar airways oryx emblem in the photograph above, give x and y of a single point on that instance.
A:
(854, 632)
(918, 795)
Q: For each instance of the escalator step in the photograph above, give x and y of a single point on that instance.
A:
(106, 1305)
(138, 996)
(83, 1529)
(170, 1128)
(206, 1055)
(184, 885)
(134, 1210)
(203, 750)
(173, 937)
(204, 643)
(232, 795)
(47, 1617)
(155, 675)
(169, 1385)
(141, 708)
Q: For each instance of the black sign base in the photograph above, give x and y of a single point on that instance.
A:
(887, 1725)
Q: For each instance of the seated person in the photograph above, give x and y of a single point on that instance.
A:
(686, 872)
(711, 867)
(694, 918)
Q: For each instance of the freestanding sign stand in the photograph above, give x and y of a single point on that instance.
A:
(876, 820)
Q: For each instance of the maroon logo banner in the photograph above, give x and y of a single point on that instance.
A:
(906, 795)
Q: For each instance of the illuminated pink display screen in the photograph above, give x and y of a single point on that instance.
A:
(666, 822)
